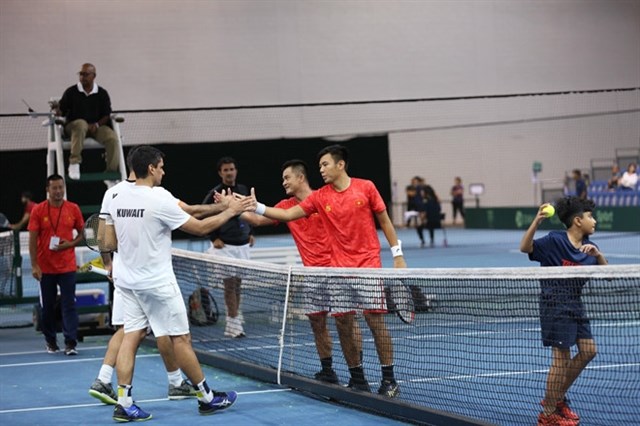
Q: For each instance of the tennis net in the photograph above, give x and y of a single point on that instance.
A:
(473, 354)
(7, 273)
(13, 313)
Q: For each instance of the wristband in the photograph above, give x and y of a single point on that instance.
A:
(260, 209)
(397, 250)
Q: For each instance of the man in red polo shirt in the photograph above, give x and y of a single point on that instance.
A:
(53, 261)
(311, 240)
(347, 207)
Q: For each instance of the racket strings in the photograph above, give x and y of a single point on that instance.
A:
(93, 233)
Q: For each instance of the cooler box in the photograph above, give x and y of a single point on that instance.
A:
(89, 297)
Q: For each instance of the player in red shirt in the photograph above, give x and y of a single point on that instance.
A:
(53, 261)
(347, 207)
(311, 240)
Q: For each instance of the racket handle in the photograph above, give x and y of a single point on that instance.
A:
(99, 271)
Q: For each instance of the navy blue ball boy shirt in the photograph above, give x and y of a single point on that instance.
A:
(555, 249)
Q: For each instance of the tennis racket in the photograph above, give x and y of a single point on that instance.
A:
(90, 233)
(4, 222)
(400, 301)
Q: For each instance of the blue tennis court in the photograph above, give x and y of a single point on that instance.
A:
(51, 389)
(39, 388)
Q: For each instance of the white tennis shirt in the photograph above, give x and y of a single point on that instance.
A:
(112, 193)
(144, 218)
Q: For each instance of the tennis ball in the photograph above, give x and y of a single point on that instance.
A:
(549, 210)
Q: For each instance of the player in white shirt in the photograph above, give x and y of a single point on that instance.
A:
(141, 219)
(102, 388)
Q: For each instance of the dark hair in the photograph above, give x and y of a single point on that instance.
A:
(431, 193)
(129, 155)
(338, 152)
(27, 194)
(53, 177)
(142, 157)
(297, 166)
(226, 160)
(571, 207)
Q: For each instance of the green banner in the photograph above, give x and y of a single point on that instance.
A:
(608, 218)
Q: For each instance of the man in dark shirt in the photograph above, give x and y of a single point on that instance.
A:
(581, 184)
(233, 239)
(87, 109)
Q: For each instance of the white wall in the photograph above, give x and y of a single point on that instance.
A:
(501, 157)
(158, 54)
(154, 54)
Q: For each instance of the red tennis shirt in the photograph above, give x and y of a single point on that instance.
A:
(348, 219)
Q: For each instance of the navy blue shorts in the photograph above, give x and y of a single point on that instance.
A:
(562, 329)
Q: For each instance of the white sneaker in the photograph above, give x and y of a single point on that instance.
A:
(227, 327)
(235, 328)
(74, 171)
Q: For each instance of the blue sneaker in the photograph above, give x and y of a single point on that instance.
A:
(130, 414)
(220, 401)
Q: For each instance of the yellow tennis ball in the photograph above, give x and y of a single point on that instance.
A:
(549, 210)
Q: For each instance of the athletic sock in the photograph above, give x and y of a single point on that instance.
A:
(357, 374)
(204, 393)
(105, 374)
(387, 373)
(175, 377)
(327, 363)
(124, 396)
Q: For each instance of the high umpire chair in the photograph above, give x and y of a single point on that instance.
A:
(57, 143)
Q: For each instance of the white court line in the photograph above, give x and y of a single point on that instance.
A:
(630, 323)
(64, 407)
(468, 333)
(27, 364)
(510, 331)
(512, 373)
(84, 348)
(623, 256)
(273, 336)
(609, 255)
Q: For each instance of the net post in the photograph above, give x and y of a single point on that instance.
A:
(17, 263)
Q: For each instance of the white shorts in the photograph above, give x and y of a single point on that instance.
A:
(410, 214)
(117, 310)
(161, 308)
(341, 295)
(236, 252)
(315, 294)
